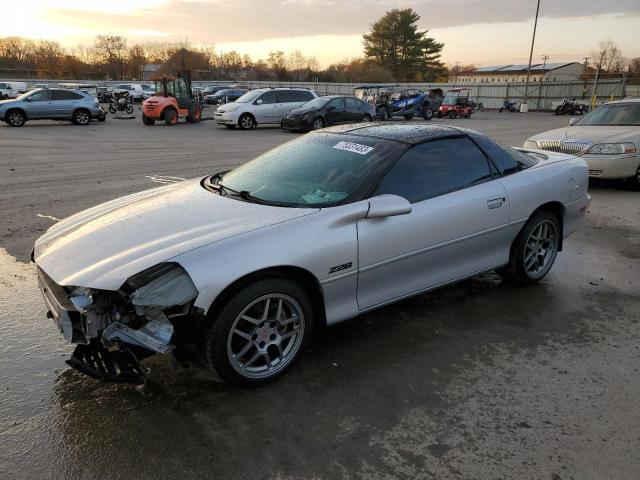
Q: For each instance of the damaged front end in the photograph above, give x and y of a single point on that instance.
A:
(116, 329)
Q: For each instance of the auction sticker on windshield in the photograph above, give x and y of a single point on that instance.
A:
(353, 147)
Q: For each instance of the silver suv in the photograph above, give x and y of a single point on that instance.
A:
(264, 105)
(51, 104)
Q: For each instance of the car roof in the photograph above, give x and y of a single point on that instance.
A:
(624, 100)
(405, 133)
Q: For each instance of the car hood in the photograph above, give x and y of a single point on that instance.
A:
(105, 245)
(593, 134)
(302, 111)
(6, 103)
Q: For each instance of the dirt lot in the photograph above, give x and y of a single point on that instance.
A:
(473, 381)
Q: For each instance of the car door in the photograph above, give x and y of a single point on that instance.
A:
(39, 105)
(459, 219)
(355, 109)
(65, 102)
(335, 112)
(265, 109)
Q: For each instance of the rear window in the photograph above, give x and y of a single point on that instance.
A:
(293, 96)
(507, 159)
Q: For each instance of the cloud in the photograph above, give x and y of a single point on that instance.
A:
(250, 20)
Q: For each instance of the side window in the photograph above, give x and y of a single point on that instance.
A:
(337, 104)
(436, 168)
(65, 95)
(41, 96)
(268, 97)
(306, 95)
(286, 96)
(353, 104)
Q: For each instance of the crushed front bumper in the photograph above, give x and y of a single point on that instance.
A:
(95, 360)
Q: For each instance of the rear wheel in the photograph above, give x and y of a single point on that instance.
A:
(171, 117)
(452, 114)
(366, 118)
(147, 121)
(427, 114)
(195, 113)
(260, 332)
(16, 118)
(384, 113)
(81, 117)
(246, 122)
(112, 108)
(534, 250)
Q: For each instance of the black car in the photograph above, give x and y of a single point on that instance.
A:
(211, 89)
(324, 111)
(224, 96)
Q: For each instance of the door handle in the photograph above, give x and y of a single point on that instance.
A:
(495, 203)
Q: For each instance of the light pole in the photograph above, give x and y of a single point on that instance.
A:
(524, 107)
(544, 64)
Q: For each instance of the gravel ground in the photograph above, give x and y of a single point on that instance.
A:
(473, 381)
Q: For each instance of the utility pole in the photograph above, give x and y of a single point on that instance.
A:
(457, 71)
(544, 64)
(524, 107)
(594, 93)
(584, 75)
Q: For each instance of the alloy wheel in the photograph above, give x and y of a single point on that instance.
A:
(246, 122)
(541, 249)
(16, 119)
(82, 118)
(318, 124)
(265, 336)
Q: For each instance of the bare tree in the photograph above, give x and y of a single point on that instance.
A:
(111, 51)
(607, 57)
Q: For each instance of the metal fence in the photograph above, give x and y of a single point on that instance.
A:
(541, 95)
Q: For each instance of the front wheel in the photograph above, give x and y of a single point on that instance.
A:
(246, 122)
(480, 107)
(635, 180)
(112, 109)
(384, 114)
(317, 124)
(427, 114)
(170, 117)
(534, 250)
(16, 118)
(147, 121)
(452, 114)
(260, 333)
(129, 109)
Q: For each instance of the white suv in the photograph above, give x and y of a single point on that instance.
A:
(135, 90)
(264, 105)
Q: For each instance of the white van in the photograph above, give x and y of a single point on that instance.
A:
(135, 90)
(264, 105)
(12, 89)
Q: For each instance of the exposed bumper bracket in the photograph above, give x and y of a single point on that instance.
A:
(96, 361)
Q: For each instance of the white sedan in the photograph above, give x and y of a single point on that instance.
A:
(608, 139)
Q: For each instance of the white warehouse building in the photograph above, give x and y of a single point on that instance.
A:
(552, 72)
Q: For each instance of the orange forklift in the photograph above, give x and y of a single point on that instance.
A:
(173, 99)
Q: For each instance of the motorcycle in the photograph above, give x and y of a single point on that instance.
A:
(569, 107)
(477, 107)
(508, 106)
(121, 102)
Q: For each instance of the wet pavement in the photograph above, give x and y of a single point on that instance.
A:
(477, 380)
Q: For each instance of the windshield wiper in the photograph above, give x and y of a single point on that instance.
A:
(224, 190)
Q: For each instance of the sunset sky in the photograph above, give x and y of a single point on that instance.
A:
(474, 31)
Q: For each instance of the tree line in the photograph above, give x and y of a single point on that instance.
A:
(394, 50)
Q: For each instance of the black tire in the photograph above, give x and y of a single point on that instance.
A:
(81, 117)
(559, 111)
(170, 117)
(246, 121)
(427, 114)
(102, 118)
(409, 116)
(515, 271)
(217, 335)
(480, 107)
(634, 181)
(366, 118)
(500, 109)
(439, 115)
(129, 109)
(384, 114)
(317, 123)
(452, 114)
(468, 115)
(195, 113)
(112, 109)
(15, 118)
(147, 121)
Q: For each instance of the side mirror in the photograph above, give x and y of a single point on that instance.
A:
(572, 121)
(28, 99)
(388, 206)
(259, 101)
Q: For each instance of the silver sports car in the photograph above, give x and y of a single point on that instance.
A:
(242, 265)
